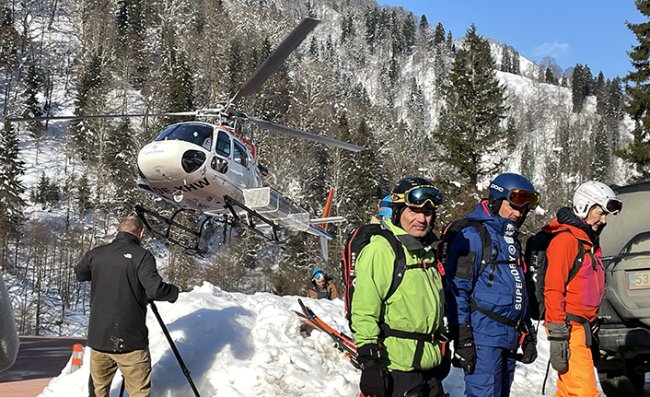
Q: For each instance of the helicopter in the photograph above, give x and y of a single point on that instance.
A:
(209, 168)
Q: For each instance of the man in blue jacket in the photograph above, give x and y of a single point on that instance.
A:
(487, 304)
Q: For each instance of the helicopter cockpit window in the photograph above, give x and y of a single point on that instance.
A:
(223, 144)
(240, 154)
(188, 132)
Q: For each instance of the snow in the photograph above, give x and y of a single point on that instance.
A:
(243, 345)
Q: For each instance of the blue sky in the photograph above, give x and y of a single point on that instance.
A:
(591, 32)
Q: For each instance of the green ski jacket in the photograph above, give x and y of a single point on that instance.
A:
(416, 306)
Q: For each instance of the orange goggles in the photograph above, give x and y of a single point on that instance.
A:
(522, 198)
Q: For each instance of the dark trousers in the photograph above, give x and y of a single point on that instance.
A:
(495, 370)
(417, 384)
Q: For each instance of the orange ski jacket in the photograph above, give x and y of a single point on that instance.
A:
(584, 293)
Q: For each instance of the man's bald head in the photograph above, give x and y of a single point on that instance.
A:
(131, 224)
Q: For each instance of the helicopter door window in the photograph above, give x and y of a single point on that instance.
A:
(223, 144)
(240, 154)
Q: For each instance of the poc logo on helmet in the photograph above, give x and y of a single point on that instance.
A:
(496, 187)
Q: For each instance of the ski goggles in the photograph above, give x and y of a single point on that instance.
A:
(613, 206)
(521, 198)
(418, 197)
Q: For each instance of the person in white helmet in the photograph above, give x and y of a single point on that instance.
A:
(572, 303)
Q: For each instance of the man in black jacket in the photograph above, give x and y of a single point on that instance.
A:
(123, 279)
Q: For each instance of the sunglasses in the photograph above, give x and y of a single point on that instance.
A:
(419, 196)
(521, 198)
(613, 206)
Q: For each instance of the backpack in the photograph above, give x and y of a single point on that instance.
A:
(356, 241)
(535, 259)
(464, 266)
(448, 235)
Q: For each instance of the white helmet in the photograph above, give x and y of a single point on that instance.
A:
(593, 193)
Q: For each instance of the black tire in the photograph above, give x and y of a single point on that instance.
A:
(615, 385)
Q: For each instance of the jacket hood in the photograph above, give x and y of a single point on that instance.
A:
(501, 225)
(567, 219)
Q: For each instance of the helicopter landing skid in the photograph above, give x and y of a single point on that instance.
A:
(271, 235)
(169, 229)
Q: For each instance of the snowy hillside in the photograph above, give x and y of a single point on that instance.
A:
(238, 345)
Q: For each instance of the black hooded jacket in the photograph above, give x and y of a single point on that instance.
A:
(124, 279)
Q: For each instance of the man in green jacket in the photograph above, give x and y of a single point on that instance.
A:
(399, 337)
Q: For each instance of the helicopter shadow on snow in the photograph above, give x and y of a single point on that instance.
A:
(200, 335)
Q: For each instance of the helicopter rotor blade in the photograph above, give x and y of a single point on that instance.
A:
(98, 116)
(273, 62)
(304, 135)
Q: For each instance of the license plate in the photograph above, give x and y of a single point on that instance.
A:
(639, 280)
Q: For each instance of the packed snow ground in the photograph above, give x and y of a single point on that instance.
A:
(238, 345)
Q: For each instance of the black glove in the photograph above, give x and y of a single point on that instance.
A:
(528, 347)
(558, 336)
(374, 376)
(464, 352)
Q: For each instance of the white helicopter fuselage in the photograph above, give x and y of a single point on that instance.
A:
(195, 165)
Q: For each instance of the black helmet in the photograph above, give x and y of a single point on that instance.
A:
(413, 191)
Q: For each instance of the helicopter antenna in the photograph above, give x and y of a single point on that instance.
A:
(275, 60)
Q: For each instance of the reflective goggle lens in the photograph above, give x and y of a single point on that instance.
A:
(420, 196)
(521, 198)
(613, 206)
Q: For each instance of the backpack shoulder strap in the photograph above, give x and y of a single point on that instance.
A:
(399, 267)
(486, 242)
(577, 262)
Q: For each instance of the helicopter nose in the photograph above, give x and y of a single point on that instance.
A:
(192, 160)
(169, 160)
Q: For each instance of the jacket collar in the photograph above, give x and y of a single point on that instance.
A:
(501, 225)
(411, 243)
(566, 219)
(126, 236)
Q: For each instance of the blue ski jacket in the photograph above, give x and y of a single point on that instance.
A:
(500, 287)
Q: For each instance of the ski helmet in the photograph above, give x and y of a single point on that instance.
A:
(593, 193)
(413, 192)
(514, 188)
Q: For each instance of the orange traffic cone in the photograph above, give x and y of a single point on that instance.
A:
(77, 356)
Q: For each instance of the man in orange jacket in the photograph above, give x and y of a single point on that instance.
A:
(572, 303)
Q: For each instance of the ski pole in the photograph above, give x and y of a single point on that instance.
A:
(186, 371)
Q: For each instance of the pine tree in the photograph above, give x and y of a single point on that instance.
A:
(516, 63)
(506, 60)
(11, 188)
(638, 89)
(408, 31)
(181, 86)
(89, 97)
(32, 83)
(439, 34)
(31, 107)
(470, 124)
(578, 88)
(424, 36)
(119, 165)
(235, 67)
(9, 39)
(601, 160)
(372, 19)
(83, 195)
